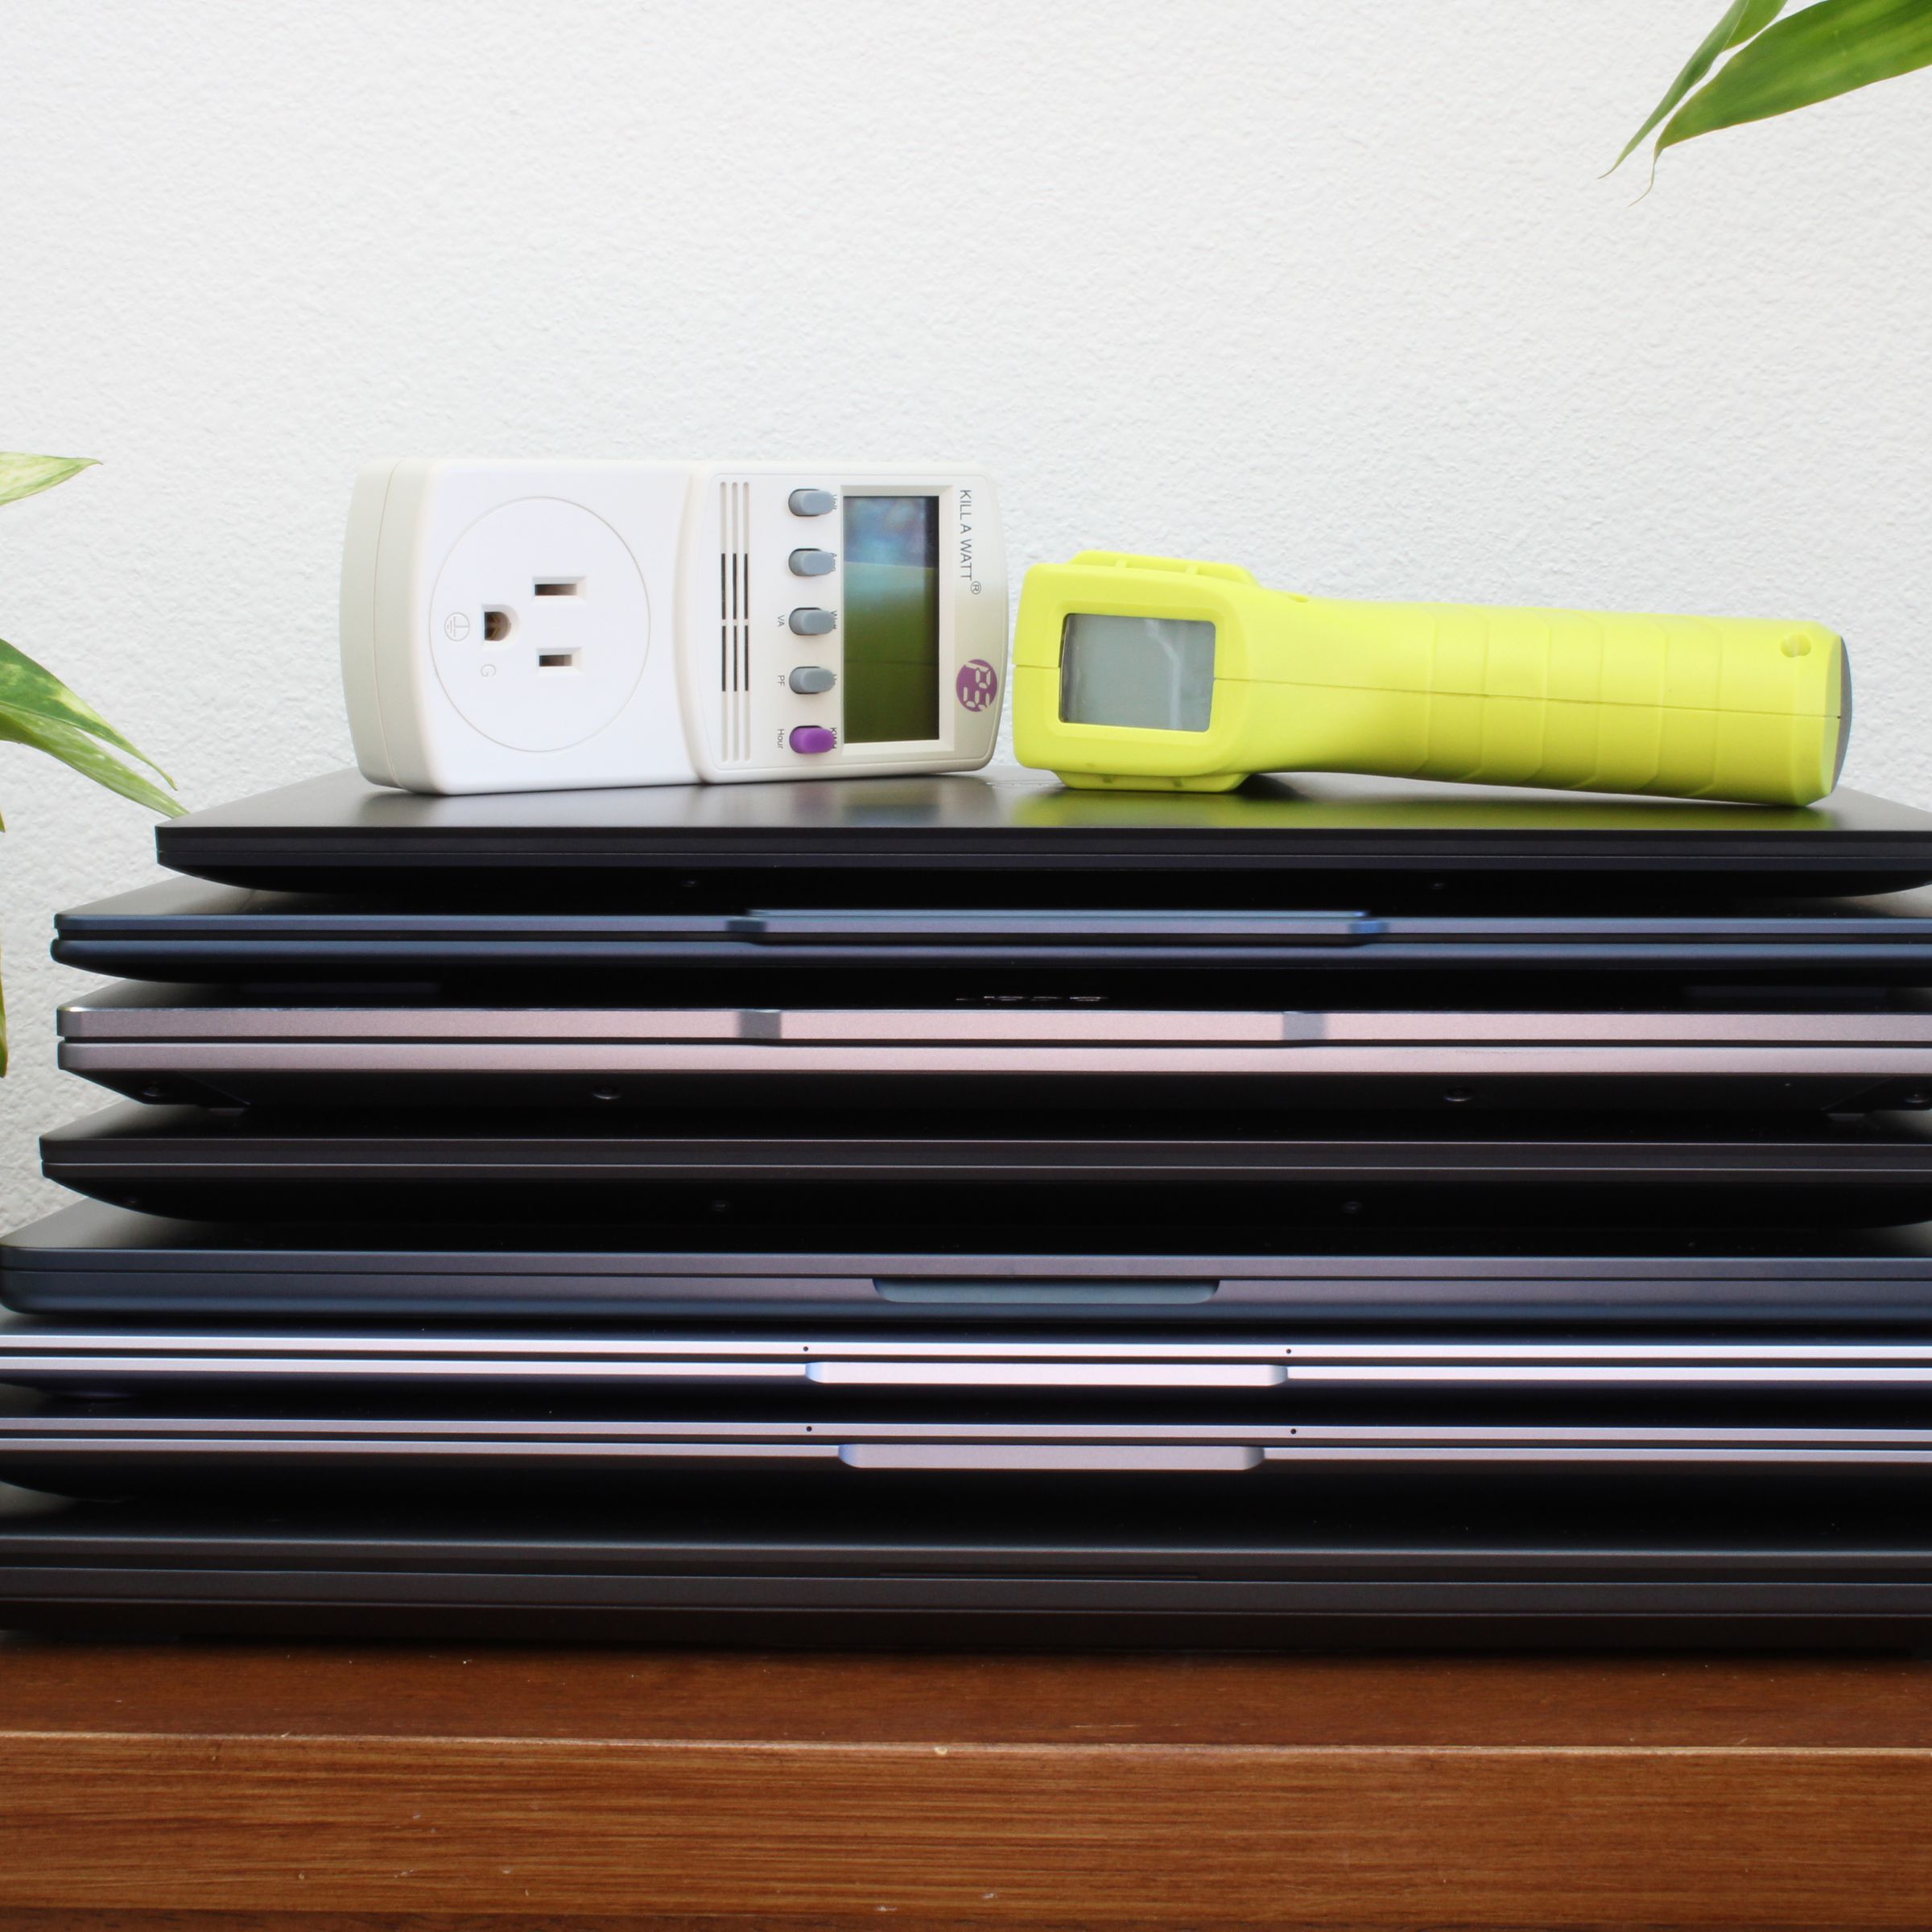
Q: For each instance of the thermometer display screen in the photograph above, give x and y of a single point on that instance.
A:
(1155, 674)
(891, 619)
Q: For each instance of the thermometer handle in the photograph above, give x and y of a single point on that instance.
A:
(1728, 707)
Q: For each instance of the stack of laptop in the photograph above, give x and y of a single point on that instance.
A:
(960, 1208)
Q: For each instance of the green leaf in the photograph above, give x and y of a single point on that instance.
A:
(31, 688)
(1742, 19)
(77, 749)
(28, 475)
(35, 708)
(1828, 49)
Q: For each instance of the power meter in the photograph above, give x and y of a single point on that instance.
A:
(512, 626)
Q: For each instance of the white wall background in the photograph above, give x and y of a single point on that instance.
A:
(1332, 291)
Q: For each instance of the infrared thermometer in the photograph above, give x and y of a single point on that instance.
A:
(519, 626)
(1159, 674)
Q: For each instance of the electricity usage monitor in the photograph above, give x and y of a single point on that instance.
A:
(1160, 673)
(514, 626)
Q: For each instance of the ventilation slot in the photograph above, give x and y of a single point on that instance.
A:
(734, 623)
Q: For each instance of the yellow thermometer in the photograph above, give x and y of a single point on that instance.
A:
(1158, 674)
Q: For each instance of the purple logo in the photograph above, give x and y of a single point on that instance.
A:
(977, 685)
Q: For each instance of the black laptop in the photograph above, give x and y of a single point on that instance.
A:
(1149, 1183)
(1661, 1569)
(889, 837)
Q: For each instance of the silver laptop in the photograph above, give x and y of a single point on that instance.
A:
(48, 1355)
(48, 1442)
(53, 1355)
(172, 1043)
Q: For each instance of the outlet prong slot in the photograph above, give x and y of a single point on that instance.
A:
(496, 626)
(558, 587)
(557, 660)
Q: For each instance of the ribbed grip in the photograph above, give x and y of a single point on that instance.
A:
(1742, 708)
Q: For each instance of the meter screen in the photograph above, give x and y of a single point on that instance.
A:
(891, 619)
(1153, 673)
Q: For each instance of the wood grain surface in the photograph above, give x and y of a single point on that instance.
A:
(219, 1787)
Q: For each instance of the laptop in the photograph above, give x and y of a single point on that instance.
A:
(251, 1048)
(1096, 1273)
(996, 1361)
(98, 1443)
(905, 1177)
(1270, 1569)
(895, 834)
(182, 930)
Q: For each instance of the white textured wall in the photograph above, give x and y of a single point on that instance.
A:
(1330, 291)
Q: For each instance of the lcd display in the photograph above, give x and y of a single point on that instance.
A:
(891, 619)
(1155, 673)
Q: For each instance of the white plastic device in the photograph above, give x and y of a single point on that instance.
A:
(517, 627)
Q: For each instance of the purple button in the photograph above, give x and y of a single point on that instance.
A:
(812, 737)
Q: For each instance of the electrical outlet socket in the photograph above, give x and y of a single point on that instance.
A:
(498, 631)
(540, 625)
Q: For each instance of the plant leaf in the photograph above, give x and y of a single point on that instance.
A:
(1742, 19)
(1828, 49)
(28, 475)
(77, 749)
(35, 700)
(32, 689)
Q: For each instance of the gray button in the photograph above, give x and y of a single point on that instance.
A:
(812, 502)
(809, 623)
(812, 563)
(810, 678)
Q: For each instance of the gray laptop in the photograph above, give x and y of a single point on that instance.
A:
(187, 1043)
(1069, 1266)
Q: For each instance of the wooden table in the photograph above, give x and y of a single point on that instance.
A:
(219, 1788)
